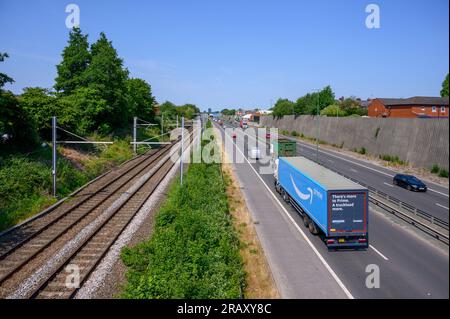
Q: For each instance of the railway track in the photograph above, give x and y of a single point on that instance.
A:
(34, 257)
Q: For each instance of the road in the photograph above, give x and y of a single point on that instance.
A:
(410, 267)
(434, 202)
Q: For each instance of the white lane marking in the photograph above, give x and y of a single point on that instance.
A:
(331, 161)
(390, 185)
(327, 266)
(430, 189)
(373, 169)
(353, 170)
(441, 206)
(378, 252)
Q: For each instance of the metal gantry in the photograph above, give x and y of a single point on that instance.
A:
(135, 127)
(146, 141)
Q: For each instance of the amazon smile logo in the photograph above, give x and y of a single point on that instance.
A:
(300, 194)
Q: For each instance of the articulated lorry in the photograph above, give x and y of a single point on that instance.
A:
(330, 204)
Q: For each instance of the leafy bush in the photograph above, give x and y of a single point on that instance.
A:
(443, 173)
(193, 252)
(294, 133)
(435, 169)
(393, 159)
(25, 187)
(362, 150)
(333, 110)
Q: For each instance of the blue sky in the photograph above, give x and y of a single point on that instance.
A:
(242, 53)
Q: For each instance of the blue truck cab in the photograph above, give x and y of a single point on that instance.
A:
(330, 204)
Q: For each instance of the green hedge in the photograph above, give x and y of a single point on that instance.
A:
(194, 250)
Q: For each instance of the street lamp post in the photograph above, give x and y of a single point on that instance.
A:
(318, 127)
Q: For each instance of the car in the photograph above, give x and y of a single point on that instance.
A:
(409, 182)
(255, 153)
(233, 135)
(267, 135)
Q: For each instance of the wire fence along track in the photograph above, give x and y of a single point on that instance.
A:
(18, 255)
(424, 221)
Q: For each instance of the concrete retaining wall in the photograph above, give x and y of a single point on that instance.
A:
(421, 142)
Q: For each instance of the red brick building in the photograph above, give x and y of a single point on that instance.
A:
(418, 106)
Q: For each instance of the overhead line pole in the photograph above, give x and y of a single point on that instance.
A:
(54, 154)
(134, 134)
(182, 146)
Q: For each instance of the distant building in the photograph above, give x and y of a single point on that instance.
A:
(364, 104)
(418, 106)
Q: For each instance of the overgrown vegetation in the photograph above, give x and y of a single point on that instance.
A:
(26, 181)
(194, 250)
(441, 172)
(394, 159)
(362, 151)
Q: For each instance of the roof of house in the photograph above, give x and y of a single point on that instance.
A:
(416, 100)
(365, 104)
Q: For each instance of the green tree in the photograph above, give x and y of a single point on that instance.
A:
(444, 90)
(84, 110)
(106, 75)
(308, 103)
(326, 97)
(304, 104)
(333, 110)
(283, 107)
(168, 109)
(187, 110)
(228, 112)
(349, 103)
(76, 58)
(16, 124)
(41, 105)
(140, 99)
(3, 77)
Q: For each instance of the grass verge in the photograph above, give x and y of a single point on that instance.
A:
(194, 250)
(258, 277)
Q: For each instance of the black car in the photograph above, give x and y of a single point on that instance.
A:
(409, 182)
